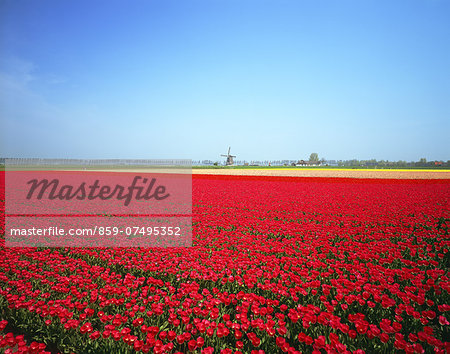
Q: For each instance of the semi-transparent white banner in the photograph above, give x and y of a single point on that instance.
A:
(56, 203)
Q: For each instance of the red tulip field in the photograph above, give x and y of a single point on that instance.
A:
(278, 264)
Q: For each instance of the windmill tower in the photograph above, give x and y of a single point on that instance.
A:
(229, 157)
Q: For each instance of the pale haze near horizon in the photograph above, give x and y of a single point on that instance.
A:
(272, 79)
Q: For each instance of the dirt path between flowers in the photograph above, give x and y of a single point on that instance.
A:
(346, 173)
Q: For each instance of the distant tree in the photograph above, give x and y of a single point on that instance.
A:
(422, 162)
(314, 157)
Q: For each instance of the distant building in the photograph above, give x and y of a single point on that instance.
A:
(331, 163)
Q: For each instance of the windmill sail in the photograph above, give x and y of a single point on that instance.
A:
(229, 157)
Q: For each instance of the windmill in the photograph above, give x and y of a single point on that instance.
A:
(229, 157)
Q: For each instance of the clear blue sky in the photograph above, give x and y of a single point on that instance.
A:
(186, 79)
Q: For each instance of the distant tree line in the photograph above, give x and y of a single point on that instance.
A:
(423, 163)
(314, 160)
